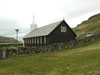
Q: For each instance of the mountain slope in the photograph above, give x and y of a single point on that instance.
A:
(90, 25)
(7, 40)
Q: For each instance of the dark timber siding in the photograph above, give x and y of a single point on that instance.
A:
(57, 36)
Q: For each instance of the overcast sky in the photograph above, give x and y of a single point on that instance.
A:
(19, 13)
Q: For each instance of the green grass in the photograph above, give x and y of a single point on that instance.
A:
(84, 60)
(90, 25)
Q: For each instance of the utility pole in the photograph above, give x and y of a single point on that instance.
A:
(17, 30)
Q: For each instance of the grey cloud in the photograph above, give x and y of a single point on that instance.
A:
(8, 26)
(1, 1)
(81, 7)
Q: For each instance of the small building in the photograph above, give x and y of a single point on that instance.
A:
(53, 33)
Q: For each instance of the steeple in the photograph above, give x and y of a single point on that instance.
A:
(33, 25)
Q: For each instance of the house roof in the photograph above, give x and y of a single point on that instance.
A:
(42, 31)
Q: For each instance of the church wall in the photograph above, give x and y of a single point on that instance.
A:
(58, 36)
(42, 40)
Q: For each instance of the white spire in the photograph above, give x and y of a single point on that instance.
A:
(33, 25)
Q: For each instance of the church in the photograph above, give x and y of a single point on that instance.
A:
(53, 33)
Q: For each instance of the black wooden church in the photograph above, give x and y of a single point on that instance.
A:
(52, 33)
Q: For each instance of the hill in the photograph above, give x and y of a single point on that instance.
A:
(7, 40)
(90, 25)
(83, 60)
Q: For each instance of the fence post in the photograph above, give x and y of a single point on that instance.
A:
(3, 54)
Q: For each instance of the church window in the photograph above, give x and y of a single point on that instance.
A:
(63, 29)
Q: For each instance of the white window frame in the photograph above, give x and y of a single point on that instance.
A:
(45, 40)
(63, 29)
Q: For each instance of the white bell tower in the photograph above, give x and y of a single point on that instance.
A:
(33, 25)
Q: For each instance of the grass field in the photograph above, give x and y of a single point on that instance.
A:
(84, 60)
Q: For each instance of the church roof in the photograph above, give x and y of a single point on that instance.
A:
(43, 31)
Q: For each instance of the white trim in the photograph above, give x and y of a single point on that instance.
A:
(63, 29)
(44, 39)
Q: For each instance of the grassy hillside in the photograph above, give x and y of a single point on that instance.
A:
(7, 40)
(84, 60)
(90, 25)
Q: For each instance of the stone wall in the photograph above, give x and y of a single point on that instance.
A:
(52, 47)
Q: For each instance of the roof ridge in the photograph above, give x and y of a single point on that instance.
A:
(44, 30)
(50, 24)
